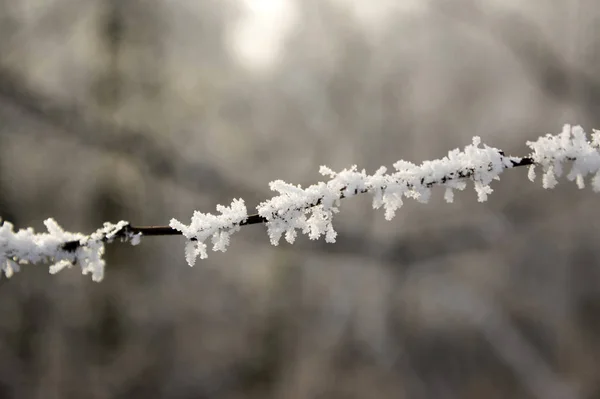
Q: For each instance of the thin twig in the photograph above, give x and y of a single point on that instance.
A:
(148, 231)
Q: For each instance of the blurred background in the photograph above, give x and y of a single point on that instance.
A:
(148, 110)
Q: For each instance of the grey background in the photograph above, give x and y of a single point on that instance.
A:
(140, 110)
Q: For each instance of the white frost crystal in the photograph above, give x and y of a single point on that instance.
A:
(205, 225)
(551, 152)
(27, 247)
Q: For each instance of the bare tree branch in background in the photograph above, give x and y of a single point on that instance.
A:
(74, 123)
(551, 71)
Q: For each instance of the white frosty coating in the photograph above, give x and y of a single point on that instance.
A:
(551, 152)
(204, 225)
(311, 209)
(27, 247)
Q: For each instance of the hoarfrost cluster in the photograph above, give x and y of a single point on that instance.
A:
(310, 210)
(205, 225)
(27, 247)
(551, 152)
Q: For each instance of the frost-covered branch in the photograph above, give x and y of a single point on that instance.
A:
(310, 210)
(62, 248)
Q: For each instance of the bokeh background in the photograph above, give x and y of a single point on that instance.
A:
(145, 110)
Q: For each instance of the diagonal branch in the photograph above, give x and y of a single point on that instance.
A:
(311, 210)
(148, 231)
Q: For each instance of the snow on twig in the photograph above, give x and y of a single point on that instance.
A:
(310, 210)
(25, 246)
